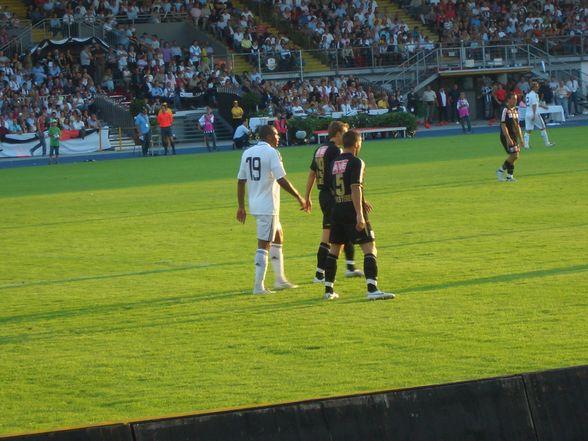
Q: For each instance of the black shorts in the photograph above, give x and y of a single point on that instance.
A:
(166, 131)
(345, 233)
(507, 149)
(327, 203)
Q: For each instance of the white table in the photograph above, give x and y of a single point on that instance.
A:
(557, 112)
(320, 134)
(256, 122)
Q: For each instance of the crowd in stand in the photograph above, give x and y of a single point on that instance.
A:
(55, 86)
(501, 20)
(356, 29)
(8, 20)
(321, 97)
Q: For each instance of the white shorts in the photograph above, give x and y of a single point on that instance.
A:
(537, 124)
(267, 225)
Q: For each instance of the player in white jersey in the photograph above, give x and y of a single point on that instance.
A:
(262, 169)
(533, 118)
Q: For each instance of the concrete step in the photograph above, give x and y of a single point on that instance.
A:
(393, 9)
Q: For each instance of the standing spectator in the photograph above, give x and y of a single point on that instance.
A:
(562, 94)
(261, 167)
(241, 136)
(573, 86)
(165, 119)
(144, 130)
(463, 111)
(454, 95)
(54, 135)
(206, 124)
(282, 128)
(429, 99)
(498, 96)
(443, 103)
(236, 115)
(41, 125)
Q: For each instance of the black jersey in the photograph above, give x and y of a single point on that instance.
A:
(321, 163)
(346, 171)
(510, 118)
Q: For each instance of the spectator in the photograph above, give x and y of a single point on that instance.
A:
(463, 111)
(206, 124)
(443, 103)
(429, 100)
(242, 134)
(236, 115)
(562, 94)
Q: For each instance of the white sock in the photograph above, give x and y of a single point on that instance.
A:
(526, 138)
(277, 262)
(260, 269)
(545, 137)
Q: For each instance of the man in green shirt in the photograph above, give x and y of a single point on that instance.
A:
(54, 135)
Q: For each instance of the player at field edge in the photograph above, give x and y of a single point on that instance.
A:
(262, 169)
(510, 137)
(533, 118)
(349, 220)
(322, 159)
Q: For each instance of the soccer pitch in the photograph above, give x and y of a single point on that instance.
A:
(125, 285)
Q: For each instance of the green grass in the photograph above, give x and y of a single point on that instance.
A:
(124, 285)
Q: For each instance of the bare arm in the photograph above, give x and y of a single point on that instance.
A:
(356, 198)
(285, 184)
(241, 213)
(309, 185)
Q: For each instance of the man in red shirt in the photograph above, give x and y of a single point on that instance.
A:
(165, 119)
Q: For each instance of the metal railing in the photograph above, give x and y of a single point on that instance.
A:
(422, 67)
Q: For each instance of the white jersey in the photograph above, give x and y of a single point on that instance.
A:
(531, 99)
(261, 166)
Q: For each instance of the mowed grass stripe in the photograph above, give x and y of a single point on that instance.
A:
(124, 284)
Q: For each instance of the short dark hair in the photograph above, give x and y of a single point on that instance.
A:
(351, 138)
(266, 131)
(509, 95)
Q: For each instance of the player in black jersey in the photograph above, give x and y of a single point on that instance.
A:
(350, 223)
(319, 168)
(511, 137)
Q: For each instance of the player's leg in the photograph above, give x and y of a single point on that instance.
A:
(540, 124)
(350, 261)
(277, 257)
(265, 232)
(510, 163)
(529, 125)
(370, 264)
(505, 165)
(331, 265)
(326, 203)
(321, 255)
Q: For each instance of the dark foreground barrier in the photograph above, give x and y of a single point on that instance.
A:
(559, 403)
(115, 432)
(543, 406)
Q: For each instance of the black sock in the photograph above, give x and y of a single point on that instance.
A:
(505, 165)
(321, 258)
(330, 272)
(510, 168)
(349, 256)
(370, 268)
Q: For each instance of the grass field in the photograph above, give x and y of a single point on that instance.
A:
(124, 285)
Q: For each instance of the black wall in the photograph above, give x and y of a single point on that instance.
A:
(543, 406)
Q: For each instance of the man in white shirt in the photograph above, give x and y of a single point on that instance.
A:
(241, 135)
(533, 118)
(261, 167)
(573, 85)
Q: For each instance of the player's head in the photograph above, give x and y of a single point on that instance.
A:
(270, 135)
(352, 142)
(336, 131)
(534, 86)
(511, 99)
